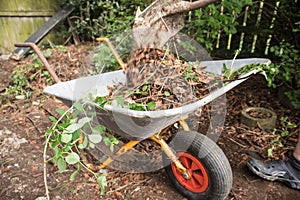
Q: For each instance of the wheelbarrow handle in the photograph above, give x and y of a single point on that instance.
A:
(42, 57)
(113, 50)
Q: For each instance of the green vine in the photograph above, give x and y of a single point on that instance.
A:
(74, 131)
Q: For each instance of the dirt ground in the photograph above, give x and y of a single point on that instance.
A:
(24, 121)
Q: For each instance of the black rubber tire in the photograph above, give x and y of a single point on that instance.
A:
(211, 157)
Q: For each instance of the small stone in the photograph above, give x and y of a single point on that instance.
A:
(4, 57)
(41, 198)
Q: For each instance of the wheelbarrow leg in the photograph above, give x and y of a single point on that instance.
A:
(157, 138)
(184, 125)
(121, 151)
(170, 153)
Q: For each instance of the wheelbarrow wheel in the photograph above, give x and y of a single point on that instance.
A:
(210, 171)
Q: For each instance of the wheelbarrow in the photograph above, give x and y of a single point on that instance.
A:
(195, 165)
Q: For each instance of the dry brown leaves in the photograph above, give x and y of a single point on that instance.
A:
(155, 75)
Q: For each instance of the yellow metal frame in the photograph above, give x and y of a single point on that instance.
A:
(113, 50)
(156, 138)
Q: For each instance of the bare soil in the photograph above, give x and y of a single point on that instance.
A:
(23, 124)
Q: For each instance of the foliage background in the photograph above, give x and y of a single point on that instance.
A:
(95, 18)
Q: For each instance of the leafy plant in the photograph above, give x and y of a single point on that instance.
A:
(190, 75)
(77, 130)
(93, 18)
(286, 72)
(286, 127)
(263, 69)
(23, 76)
(74, 131)
(206, 24)
(133, 105)
(103, 60)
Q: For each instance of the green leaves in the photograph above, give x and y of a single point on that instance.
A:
(120, 101)
(167, 93)
(101, 179)
(73, 175)
(207, 23)
(100, 101)
(76, 126)
(78, 105)
(66, 137)
(281, 134)
(151, 105)
(95, 138)
(72, 158)
(61, 164)
(111, 141)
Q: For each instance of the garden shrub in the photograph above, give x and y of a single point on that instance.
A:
(95, 18)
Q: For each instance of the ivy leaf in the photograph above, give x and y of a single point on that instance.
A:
(72, 158)
(91, 145)
(65, 137)
(110, 141)
(102, 182)
(99, 129)
(84, 144)
(95, 138)
(53, 119)
(83, 121)
(61, 164)
(60, 111)
(79, 106)
(167, 93)
(72, 128)
(56, 150)
(120, 101)
(76, 126)
(151, 105)
(73, 175)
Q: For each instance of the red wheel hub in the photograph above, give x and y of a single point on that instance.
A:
(198, 181)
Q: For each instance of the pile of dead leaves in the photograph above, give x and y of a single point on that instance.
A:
(156, 80)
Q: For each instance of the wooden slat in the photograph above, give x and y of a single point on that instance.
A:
(244, 25)
(261, 6)
(43, 31)
(271, 27)
(41, 13)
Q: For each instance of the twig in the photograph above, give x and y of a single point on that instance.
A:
(292, 133)
(231, 66)
(45, 151)
(126, 185)
(239, 144)
(249, 131)
(33, 124)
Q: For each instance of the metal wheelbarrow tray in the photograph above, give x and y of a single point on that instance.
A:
(195, 165)
(142, 124)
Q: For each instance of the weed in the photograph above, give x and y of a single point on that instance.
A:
(74, 131)
(23, 76)
(207, 23)
(286, 127)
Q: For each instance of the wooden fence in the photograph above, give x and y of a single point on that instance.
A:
(21, 18)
